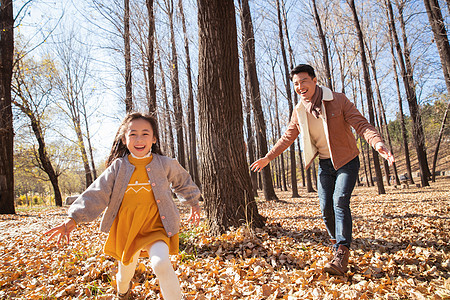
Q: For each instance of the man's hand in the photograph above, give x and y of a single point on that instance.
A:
(384, 152)
(195, 214)
(258, 165)
(63, 230)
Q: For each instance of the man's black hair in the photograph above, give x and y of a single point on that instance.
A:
(303, 68)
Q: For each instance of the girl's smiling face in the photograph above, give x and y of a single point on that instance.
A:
(139, 137)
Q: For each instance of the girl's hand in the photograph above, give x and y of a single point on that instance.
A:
(63, 230)
(195, 215)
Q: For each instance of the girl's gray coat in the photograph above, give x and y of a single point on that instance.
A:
(106, 192)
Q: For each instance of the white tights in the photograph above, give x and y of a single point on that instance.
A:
(161, 265)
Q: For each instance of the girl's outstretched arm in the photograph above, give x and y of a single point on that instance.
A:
(63, 229)
(195, 214)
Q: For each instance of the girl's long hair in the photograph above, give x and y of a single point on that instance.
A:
(119, 149)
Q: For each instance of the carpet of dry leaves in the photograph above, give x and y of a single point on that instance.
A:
(401, 250)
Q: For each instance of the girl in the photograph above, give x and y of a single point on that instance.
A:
(141, 217)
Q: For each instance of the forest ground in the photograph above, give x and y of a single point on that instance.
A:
(401, 250)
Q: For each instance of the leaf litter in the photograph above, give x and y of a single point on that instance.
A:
(401, 250)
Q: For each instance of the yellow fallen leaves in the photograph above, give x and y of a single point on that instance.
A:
(401, 250)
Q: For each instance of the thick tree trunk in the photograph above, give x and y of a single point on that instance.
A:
(369, 94)
(440, 37)
(126, 39)
(6, 123)
(291, 109)
(225, 176)
(177, 107)
(193, 164)
(408, 81)
(255, 96)
(151, 60)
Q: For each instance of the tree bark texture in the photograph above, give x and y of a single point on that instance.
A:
(151, 59)
(6, 123)
(225, 177)
(440, 36)
(255, 95)
(127, 56)
(369, 93)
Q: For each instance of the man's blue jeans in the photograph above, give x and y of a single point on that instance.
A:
(335, 188)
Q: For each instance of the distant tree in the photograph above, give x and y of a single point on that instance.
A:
(248, 45)
(71, 82)
(406, 71)
(193, 164)
(174, 79)
(289, 99)
(225, 176)
(369, 93)
(32, 86)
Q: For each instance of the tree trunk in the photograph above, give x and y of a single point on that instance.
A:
(43, 158)
(291, 109)
(400, 106)
(309, 185)
(277, 121)
(88, 138)
(6, 117)
(255, 96)
(168, 127)
(82, 148)
(250, 142)
(383, 122)
(440, 37)
(408, 81)
(126, 39)
(193, 164)
(151, 60)
(177, 107)
(291, 62)
(323, 44)
(436, 151)
(363, 143)
(226, 181)
(369, 94)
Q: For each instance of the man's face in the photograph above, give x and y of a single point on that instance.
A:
(304, 85)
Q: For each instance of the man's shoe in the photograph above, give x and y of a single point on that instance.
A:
(338, 266)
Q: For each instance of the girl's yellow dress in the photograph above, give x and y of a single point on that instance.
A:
(137, 223)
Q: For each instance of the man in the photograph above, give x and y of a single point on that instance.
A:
(324, 117)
